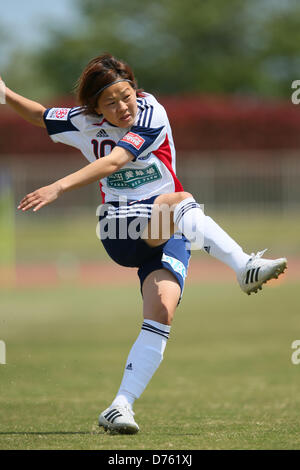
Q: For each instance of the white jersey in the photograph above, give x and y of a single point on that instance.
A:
(152, 170)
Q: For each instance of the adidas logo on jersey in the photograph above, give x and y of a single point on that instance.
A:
(129, 367)
(102, 133)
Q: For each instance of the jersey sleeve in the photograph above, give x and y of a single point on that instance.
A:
(140, 141)
(60, 125)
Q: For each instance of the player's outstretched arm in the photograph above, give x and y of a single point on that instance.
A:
(90, 173)
(29, 110)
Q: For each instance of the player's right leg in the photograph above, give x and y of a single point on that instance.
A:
(161, 293)
(162, 271)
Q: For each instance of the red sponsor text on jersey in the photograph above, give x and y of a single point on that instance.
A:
(134, 139)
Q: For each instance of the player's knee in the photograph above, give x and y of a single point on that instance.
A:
(172, 198)
(183, 195)
(164, 314)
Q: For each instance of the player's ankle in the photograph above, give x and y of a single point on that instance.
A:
(123, 399)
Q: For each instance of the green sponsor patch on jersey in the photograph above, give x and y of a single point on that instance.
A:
(133, 178)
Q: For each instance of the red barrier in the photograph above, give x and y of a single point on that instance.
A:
(198, 124)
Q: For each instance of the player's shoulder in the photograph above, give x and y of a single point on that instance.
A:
(75, 116)
(147, 99)
(79, 117)
(150, 112)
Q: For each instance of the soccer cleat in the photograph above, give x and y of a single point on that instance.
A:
(118, 419)
(259, 270)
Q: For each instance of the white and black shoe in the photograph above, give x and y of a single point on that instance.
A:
(118, 419)
(259, 270)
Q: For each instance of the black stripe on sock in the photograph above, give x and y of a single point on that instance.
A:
(155, 328)
(184, 209)
(148, 327)
(160, 334)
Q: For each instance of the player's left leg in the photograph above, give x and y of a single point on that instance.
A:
(186, 215)
(180, 211)
(161, 294)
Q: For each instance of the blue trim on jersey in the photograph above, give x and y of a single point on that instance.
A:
(58, 126)
(75, 114)
(145, 114)
(149, 135)
(76, 111)
(151, 114)
(76, 108)
(140, 116)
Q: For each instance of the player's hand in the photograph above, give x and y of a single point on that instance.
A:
(40, 198)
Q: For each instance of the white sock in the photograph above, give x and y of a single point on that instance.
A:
(199, 228)
(144, 358)
(189, 218)
(220, 245)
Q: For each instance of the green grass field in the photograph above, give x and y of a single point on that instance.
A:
(227, 380)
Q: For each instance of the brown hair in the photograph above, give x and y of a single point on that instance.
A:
(98, 73)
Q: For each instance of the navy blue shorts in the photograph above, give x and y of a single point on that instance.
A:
(118, 221)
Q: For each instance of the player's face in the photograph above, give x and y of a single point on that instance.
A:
(118, 104)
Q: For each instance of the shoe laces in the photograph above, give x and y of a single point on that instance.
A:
(124, 407)
(258, 255)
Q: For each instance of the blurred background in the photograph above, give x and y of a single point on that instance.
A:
(223, 70)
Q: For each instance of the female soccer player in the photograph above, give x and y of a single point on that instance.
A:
(148, 220)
